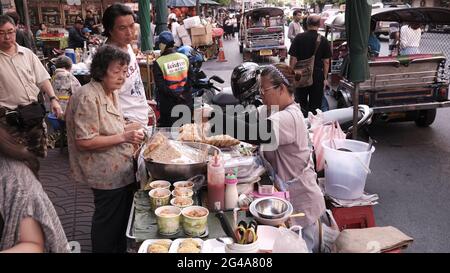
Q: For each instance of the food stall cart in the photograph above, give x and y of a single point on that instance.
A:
(149, 216)
(144, 225)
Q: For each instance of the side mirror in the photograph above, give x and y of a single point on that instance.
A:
(217, 79)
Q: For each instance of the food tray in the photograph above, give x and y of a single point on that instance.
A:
(139, 231)
(177, 242)
(142, 221)
(147, 243)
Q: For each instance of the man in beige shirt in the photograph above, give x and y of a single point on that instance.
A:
(21, 79)
(295, 26)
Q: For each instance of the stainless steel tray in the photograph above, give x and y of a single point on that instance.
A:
(214, 229)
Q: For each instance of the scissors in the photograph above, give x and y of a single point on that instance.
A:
(246, 234)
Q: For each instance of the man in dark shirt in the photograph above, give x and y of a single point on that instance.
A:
(76, 38)
(303, 46)
(91, 22)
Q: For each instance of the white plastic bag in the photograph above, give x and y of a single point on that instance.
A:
(290, 241)
(315, 120)
(323, 133)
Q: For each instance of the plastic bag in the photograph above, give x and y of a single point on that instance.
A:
(315, 121)
(321, 134)
(290, 241)
(328, 233)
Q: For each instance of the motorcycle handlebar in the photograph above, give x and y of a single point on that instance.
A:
(215, 88)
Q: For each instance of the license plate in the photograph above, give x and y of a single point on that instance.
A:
(265, 52)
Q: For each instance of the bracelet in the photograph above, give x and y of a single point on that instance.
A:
(53, 98)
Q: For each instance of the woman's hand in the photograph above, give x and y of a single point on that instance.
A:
(133, 136)
(132, 126)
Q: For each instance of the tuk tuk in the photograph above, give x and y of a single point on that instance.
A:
(262, 34)
(400, 87)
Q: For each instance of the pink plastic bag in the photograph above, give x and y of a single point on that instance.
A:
(322, 133)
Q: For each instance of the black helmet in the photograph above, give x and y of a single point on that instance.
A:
(245, 80)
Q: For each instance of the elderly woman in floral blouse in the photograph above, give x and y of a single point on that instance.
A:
(101, 148)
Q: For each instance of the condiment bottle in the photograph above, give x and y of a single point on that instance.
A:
(216, 184)
(231, 192)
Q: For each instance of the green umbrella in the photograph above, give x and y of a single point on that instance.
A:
(357, 27)
(356, 67)
(146, 32)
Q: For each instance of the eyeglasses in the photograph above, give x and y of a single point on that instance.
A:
(262, 91)
(7, 33)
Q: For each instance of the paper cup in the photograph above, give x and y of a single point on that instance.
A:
(168, 219)
(158, 198)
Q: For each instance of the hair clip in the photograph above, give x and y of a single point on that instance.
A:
(285, 80)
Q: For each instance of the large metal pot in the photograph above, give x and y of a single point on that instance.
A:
(178, 171)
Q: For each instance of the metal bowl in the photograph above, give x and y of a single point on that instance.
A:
(271, 207)
(181, 171)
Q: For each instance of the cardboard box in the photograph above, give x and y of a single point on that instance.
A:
(201, 40)
(192, 22)
(199, 30)
(201, 35)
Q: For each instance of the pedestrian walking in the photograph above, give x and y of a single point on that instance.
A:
(295, 26)
(304, 46)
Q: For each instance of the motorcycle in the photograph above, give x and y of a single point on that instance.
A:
(206, 93)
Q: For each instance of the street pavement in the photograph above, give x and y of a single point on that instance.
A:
(410, 172)
(74, 203)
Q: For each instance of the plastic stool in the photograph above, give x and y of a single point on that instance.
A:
(354, 217)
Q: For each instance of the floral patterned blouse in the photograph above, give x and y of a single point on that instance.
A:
(91, 113)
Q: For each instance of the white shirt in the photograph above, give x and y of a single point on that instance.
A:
(132, 94)
(294, 29)
(410, 37)
(176, 38)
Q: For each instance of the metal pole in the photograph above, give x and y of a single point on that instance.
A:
(355, 111)
(26, 16)
(197, 7)
(161, 16)
(149, 84)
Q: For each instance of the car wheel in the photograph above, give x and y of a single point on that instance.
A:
(426, 118)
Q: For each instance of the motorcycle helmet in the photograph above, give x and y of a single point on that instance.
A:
(195, 58)
(166, 38)
(193, 55)
(245, 81)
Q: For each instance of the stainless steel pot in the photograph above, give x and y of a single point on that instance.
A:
(177, 171)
